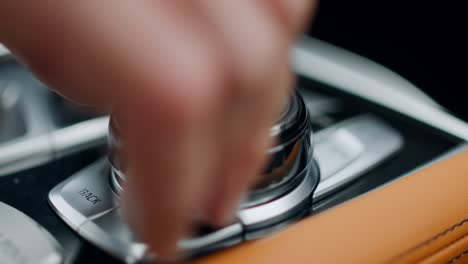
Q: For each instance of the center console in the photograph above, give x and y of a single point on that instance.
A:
(353, 126)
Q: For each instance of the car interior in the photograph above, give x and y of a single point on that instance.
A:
(371, 165)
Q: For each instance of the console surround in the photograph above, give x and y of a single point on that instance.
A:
(423, 164)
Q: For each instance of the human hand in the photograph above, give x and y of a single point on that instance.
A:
(195, 87)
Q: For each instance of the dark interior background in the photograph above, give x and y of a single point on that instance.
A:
(424, 41)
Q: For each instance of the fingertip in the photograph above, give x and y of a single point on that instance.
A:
(294, 14)
(225, 213)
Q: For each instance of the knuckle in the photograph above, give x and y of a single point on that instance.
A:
(191, 100)
(181, 96)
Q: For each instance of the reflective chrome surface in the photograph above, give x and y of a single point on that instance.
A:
(30, 133)
(3, 51)
(289, 157)
(89, 202)
(368, 80)
(24, 241)
(11, 120)
(26, 152)
(89, 213)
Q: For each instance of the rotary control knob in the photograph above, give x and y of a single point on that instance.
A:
(289, 156)
(283, 194)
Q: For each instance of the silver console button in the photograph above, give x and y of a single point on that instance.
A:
(84, 195)
(23, 241)
(104, 226)
(112, 223)
(109, 232)
(336, 152)
(87, 204)
(348, 149)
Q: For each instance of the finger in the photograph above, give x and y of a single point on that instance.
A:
(94, 51)
(294, 15)
(71, 45)
(180, 142)
(245, 157)
(103, 52)
(254, 103)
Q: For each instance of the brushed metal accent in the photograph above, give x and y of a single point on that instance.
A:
(356, 75)
(22, 240)
(377, 142)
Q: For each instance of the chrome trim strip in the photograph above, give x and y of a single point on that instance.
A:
(362, 66)
(279, 209)
(118, 189)
(27, 152)
(81, 136)
(24, 153)
(126, 251)
(361, 77)
(231, 232)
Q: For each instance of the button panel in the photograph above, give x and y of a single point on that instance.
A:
(338, 150)
(109, 232)
(84, 195)
(86, 202)
(350, 148)
(343, 151)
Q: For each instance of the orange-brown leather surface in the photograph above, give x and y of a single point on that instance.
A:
(422, 217)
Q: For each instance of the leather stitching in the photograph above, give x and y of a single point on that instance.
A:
(433, 239)
(440, 235)
(458, 257)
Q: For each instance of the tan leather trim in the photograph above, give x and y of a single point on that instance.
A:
(421, 217)
(456, 252)
(446, 239)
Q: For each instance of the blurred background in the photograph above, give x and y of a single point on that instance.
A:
(424, 41)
